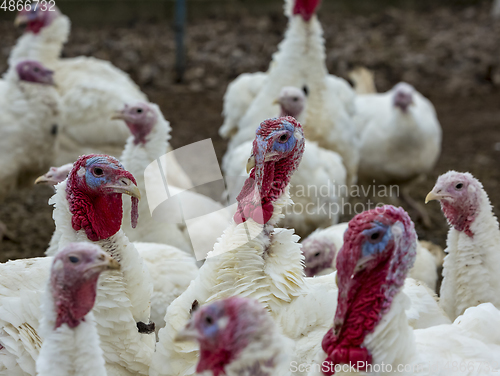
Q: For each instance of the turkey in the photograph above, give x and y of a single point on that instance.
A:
(470, 275)
(71, 343)
(172, 269)
(400, 139)
(370, 330)
(148, 141)
(256, 260)
(321, 247)
(88, 208)
(90, 89)
(299, 62)
(148, 145)
(318, 187)
(237, 336)
(29, 117)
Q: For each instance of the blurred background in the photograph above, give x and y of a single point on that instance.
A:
(449, 50)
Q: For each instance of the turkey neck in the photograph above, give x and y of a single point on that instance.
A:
(46, 46)
(299, 61)
(137, 157)
(470, 268)
(67, 351)
(243, 261)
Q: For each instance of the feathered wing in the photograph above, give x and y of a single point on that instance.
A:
(172, 270)
(89, 101)
(473, 339)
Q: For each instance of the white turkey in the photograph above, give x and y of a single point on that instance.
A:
(171, 269)
(91, 89)
(322, 246)
(88, 208)
(148, 141)
(400, 139)
(256, 260)
(29, 119)
(470, 270)
(71, 343)
(370, 333)
(237, 336)
(318, 187)
(299, 62)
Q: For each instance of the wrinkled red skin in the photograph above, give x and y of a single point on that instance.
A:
(306, 8)
(75, 302)
(460, 215)
(271, 177)
(216, 353)
(99, 213)
(365, 296)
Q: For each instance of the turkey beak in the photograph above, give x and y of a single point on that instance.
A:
(42, 180)
(118, 115)
(276, 101)
(250, 164)
(189, 333)
(125, 186)
(21, 20)
(431, 196)
(106, 262)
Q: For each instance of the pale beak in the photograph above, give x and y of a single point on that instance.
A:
(42, 180)
(276, 101)
(125, 186)
(106, 262)
(431, 196)
(250, 164)
(189, 333)
(118, 115)
(21, 20)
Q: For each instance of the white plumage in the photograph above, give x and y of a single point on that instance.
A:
(29, 119)
(400, 135)
(470, 268)
(123, 300)
(71, 343)
(91, 89)
(299, 62)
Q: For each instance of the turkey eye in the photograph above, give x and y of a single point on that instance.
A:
(73, 259)
(98, 171)
(283, 138)
(209, 320)
(459, 186)
(316, 254)
(139, 110)
(374, 236)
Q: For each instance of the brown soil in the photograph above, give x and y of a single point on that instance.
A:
(451, 55)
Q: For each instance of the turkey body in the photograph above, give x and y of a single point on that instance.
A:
(91, 90)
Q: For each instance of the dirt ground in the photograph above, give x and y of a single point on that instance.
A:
(451, 55)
